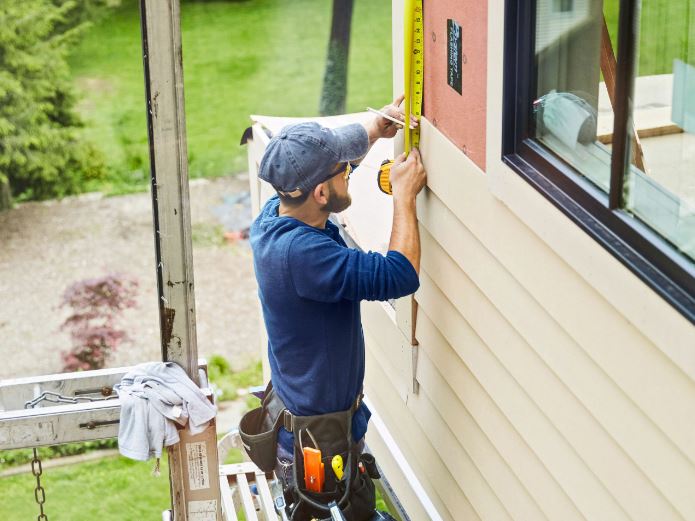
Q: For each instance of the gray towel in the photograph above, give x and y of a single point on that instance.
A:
(153, 396)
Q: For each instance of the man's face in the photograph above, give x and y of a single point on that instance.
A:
(338, 197)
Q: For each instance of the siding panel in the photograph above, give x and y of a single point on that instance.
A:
(654, 453)
(447, 407)
(394, 348)
(601, 454)
(463, 470)
(440, 485)
(522, 462)
(617, 345)
(496, 370)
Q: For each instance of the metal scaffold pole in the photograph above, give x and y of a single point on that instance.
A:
(193, 463)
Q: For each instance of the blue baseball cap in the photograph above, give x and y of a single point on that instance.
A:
(305, 154)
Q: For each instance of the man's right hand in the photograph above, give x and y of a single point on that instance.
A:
(408, 176)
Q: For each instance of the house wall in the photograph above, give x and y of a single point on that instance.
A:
(552, 383)
(549, 382)
(460, 117)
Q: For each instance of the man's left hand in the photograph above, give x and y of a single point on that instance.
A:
(386, 128)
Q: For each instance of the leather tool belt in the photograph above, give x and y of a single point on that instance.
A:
(330, 433)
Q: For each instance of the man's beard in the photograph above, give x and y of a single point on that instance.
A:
(336, 203)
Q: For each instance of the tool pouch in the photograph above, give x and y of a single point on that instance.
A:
(354, 493)
(258, 429)
(332, 435)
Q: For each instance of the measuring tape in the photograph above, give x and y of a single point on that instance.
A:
(413, 50)
(414, 72)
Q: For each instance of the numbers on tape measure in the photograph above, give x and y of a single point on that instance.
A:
(414, 55)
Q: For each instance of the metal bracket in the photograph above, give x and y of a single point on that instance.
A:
(91, 425)
(415, 345)
(413, 368)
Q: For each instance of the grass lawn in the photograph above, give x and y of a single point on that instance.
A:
(663, 33)
(266, 57)
(240, 57)
(112, 489)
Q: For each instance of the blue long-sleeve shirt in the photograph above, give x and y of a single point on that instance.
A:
(310, 286)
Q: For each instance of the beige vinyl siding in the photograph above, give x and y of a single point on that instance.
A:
(457, 467)
(552, 383)
(533, 387)
(439, 484)
(538, 398)
(551, 368)
(599, 407)
(518, 476)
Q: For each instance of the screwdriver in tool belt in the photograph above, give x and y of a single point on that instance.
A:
(337, 464)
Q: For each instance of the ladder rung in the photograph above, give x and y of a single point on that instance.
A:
(267, 505)
(227, 502)
(246, 497)
(246, 467)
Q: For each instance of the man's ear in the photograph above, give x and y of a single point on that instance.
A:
(321, 193)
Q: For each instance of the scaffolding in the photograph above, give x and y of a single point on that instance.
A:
(80, 407)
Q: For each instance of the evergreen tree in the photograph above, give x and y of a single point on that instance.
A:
(41, 153)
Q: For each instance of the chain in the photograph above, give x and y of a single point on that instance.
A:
(49, 396)
(36, 468)
(39, 492)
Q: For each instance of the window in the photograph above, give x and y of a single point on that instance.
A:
(609, 137)
(563, 6)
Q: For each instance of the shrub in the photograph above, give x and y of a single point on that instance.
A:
(41, 153)
(226, 383)
(219, 374)
(96, 306)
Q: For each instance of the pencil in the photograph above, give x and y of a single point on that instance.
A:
(384, 115)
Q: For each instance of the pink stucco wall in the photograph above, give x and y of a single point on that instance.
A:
(461, 117)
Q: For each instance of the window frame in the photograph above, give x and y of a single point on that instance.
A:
(648, 255)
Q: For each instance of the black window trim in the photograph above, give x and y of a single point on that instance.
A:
(634, 244)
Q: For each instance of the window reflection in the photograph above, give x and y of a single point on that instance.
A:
(568, 92)
(661, 192)
(575, 44)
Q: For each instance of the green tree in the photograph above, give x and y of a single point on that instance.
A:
(83, 11)
(335, 77)
(41, 153)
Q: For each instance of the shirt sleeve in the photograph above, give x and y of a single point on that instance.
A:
(323, 270)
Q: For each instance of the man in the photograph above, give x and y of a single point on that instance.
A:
(310, 283)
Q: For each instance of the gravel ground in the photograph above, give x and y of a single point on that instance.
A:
(45, 247)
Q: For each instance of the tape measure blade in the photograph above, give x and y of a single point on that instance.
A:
(408, 21)
(416, 67)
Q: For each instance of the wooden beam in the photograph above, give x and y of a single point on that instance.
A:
(645, 133)
(608, 67)
(246, 498)
(266, 499)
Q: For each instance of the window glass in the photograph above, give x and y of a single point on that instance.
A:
(563, 5)
(661, 192)
(572, 111)
(575, 52)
